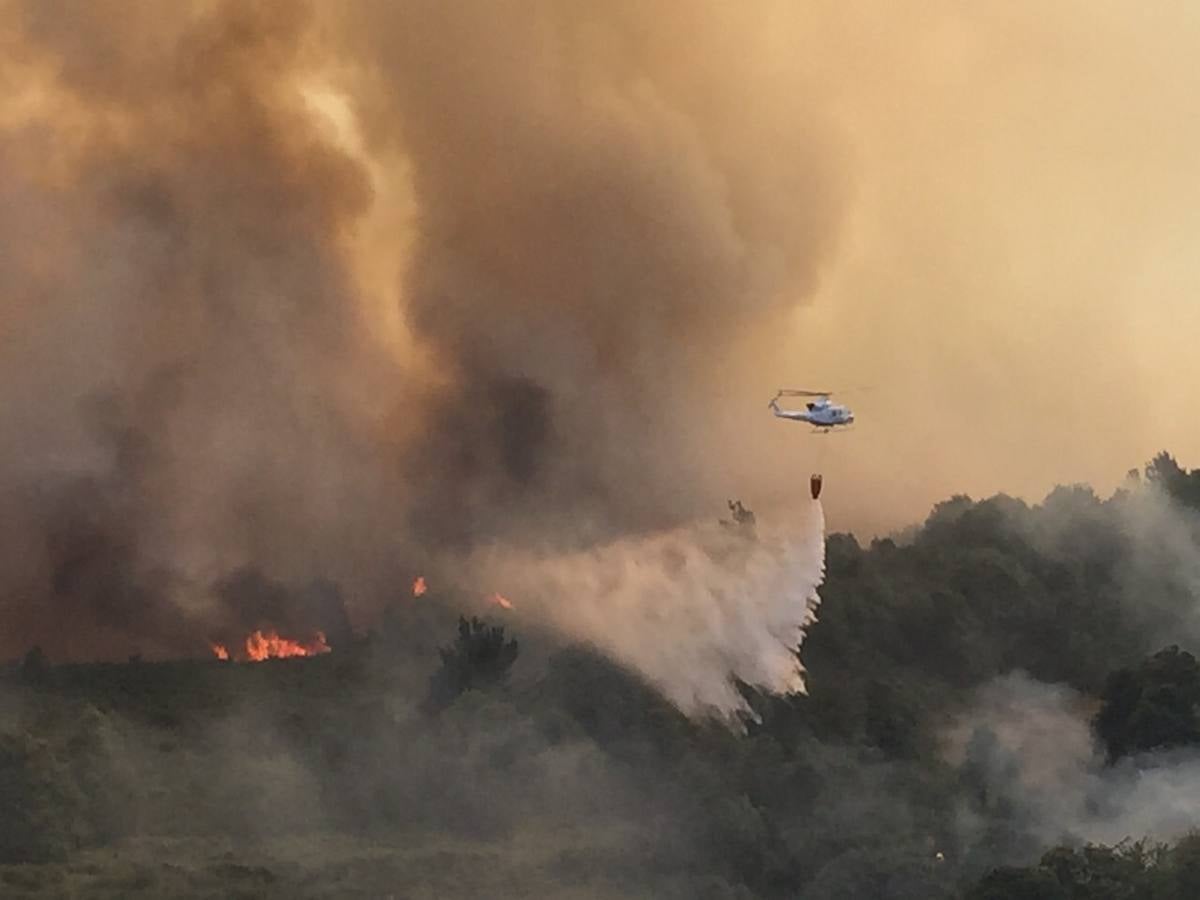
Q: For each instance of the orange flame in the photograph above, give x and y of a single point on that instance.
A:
(501, 601)
(419, 587)
(268, 644)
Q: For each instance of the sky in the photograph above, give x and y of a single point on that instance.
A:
(1014, 287)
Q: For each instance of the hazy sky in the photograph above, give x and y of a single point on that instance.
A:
(1016, 277)
(998, 204)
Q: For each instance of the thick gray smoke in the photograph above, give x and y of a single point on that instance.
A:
(1031, 750)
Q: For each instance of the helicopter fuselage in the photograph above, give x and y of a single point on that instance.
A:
(822, 414)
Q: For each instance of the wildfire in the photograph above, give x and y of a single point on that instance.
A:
(268, 644)
(501, 601)
(419, 586)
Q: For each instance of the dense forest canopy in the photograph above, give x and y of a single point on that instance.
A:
(1002, 702)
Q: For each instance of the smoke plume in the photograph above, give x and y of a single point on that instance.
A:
(185, 353)
(1033, 755)
(693, 609)
(600, 223)
(320, 290)
(317, 292)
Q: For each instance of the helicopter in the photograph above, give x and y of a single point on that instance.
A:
(819, 412)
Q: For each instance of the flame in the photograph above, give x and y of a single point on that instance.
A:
(268, 644)
(501, 601)
(419, 586)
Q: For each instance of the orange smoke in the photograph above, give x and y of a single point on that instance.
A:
(268, 644)
(419, 586)
(501, 601)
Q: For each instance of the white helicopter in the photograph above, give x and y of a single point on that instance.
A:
(819, 411)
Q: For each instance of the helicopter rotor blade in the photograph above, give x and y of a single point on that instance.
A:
(788, 392)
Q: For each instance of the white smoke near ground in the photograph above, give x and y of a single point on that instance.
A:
(693, 609)
(1163, 574)
(1030, 749)
(1154, 540)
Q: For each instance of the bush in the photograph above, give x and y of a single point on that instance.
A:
(479, 658)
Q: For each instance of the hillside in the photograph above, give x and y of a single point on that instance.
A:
(955, 677)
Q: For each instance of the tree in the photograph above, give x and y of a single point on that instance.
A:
(1152, 706)
(1179, 875)
(35, 666)
(1180, 484)
(479, 658)
(1127, 871)
(742, 521)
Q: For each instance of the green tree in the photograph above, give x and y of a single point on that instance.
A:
(1177, 877)
(1180, 484)
(1152, 706)
(1127, 871)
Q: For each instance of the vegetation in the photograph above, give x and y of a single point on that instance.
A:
(479, 658)
(473, 770)
(1130, 871)
(1152, 706)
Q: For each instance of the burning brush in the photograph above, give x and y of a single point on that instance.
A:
(260, 645)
